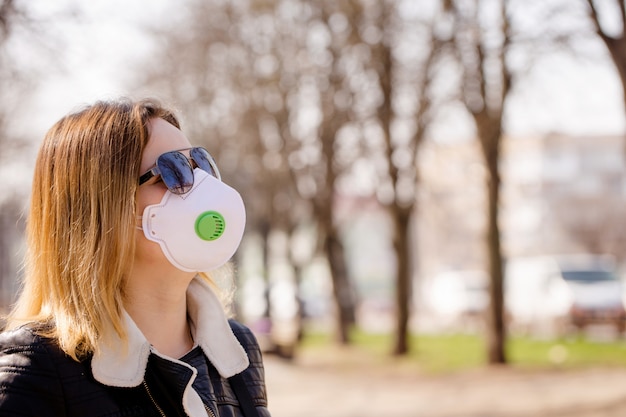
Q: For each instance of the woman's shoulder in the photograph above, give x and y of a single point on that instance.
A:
(32, 368)
(247, 340)
(27, 346)
(26, 353)
(241, 331)
(26, 337)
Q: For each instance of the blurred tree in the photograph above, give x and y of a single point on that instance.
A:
(12, 18)
(15, 84)
(9, 12)
(609, 20)
(337, 21)
(407, 97)
(482, 39)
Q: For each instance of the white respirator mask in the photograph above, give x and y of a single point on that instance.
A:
(200, 230)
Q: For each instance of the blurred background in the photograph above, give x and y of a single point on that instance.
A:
(435, 189)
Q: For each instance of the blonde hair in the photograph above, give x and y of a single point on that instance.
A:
(81, 224)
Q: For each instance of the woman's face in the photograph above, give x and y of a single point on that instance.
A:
(164, 137)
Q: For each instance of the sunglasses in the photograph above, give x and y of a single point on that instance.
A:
(176, 169)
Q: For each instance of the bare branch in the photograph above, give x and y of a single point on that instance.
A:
(423, 116)
(506, 46)
(595, 18)
(7, 10)
(622, 7)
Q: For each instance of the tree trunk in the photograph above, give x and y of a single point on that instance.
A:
(484, 95)
(616, 45)
(265, 228)
(324, 208)
(342, 290)
(496, 331)
(402, 246)
(617, 50)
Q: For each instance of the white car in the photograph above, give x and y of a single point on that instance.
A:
(554, 292)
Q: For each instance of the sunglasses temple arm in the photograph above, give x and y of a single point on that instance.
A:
(152, 173)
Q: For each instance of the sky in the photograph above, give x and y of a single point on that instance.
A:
(97, 47)
(562, 94)
(569, 96)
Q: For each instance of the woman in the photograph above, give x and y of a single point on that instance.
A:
(116, 316)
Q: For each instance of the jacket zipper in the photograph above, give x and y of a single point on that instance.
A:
(159, 409)
(211, 413)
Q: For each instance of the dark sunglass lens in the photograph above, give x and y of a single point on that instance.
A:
(205, 161)
(176, 172)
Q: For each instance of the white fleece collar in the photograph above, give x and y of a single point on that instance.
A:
(115, 366)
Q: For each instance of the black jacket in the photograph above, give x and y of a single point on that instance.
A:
(38, 379)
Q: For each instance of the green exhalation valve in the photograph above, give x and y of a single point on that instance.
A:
(210, 225)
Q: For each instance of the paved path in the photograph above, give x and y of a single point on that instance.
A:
(347, 384)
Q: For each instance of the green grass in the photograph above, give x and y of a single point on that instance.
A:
(567, 353)
(454, 352)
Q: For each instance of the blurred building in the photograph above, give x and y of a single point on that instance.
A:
(564, 194)
(559, 194)
(451, 207)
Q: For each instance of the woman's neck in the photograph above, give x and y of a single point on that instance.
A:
(158, 305)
